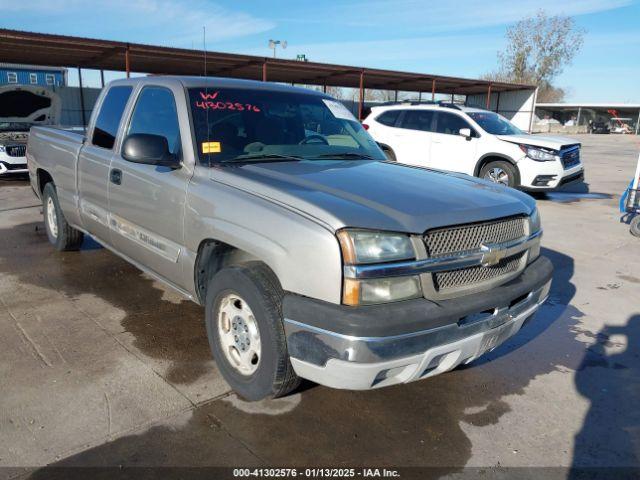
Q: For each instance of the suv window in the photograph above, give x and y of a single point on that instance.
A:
(418, 120)
(389, 117)
(155, 113)
(451, 123)
(108, 121)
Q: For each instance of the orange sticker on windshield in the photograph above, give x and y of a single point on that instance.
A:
(211, 147)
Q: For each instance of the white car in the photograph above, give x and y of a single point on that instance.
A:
(21, 107)
(476, 142)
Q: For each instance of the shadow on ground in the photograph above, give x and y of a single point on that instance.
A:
(418, 424)
(609, 377)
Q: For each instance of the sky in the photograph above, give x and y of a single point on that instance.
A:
(457, 38)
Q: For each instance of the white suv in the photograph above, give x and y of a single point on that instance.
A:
(476, 142)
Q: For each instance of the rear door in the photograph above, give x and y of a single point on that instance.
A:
(450, 150)
(95, 159)
(146, 202)
(413, 137)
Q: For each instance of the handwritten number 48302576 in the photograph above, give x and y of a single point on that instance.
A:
(208, 103)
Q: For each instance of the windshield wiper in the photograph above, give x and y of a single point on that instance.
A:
(362, 156)
(266, 157)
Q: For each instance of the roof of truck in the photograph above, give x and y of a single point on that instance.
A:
(215, 82)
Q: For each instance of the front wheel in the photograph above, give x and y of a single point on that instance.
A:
(246, 333)
(60, 234)
(635, 226)
(501, 172)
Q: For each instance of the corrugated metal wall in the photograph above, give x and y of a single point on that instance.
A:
(517, 106)
(71, 105)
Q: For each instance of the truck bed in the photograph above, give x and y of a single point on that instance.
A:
(55, 150)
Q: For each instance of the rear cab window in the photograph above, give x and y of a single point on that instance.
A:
(110, 116)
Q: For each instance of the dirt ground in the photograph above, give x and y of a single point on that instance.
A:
(102, 366)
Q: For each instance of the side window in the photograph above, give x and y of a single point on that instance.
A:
(155, 113)
(389, 117)
(12, 77)
(451, 123)
(418, 120)
(108, 121)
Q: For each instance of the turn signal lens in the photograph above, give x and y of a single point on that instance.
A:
(351, 295)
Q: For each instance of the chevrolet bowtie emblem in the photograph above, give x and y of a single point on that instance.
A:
(491, 254)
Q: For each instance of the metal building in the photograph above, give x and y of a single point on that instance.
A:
(44, 76)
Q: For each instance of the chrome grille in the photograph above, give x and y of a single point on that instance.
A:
(463, 238)
(460, 239)
(476, 275)
(16, 150)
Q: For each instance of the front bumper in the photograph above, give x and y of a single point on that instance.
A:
(8, 168)
(540, 176)
(460, 331)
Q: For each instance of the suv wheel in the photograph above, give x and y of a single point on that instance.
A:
(246, 333)
(501, 172)
(60, 234)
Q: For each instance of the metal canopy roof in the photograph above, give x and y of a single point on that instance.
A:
(45, 49)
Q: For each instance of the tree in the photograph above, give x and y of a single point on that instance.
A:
(538, 49)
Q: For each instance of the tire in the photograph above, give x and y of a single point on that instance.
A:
(230, 292)
(491, 171)
(635, 226)
(60, 234)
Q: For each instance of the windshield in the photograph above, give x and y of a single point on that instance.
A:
(494, 123)
(237, 125)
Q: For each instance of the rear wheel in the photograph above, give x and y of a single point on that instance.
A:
(246, 332)
(501, 172)
(635, 226)
(60, 234)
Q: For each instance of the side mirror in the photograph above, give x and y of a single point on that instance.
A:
(465, 132)
(149, 149)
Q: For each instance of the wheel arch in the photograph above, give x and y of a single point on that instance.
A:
(43, 177)
(495, 157)
(214, 255)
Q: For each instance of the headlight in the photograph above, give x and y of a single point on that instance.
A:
(366, 247)
(534, 221)
(534, 226)
(2, 149)
(539, 154)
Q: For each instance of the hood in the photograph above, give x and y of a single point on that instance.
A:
(376, 195)
(29, 104)
(545, 141)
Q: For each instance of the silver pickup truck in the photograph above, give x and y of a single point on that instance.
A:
(313, 255)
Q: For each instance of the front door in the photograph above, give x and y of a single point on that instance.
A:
(450, 150)
(146, 202)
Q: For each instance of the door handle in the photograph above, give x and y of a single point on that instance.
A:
(115, 176)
